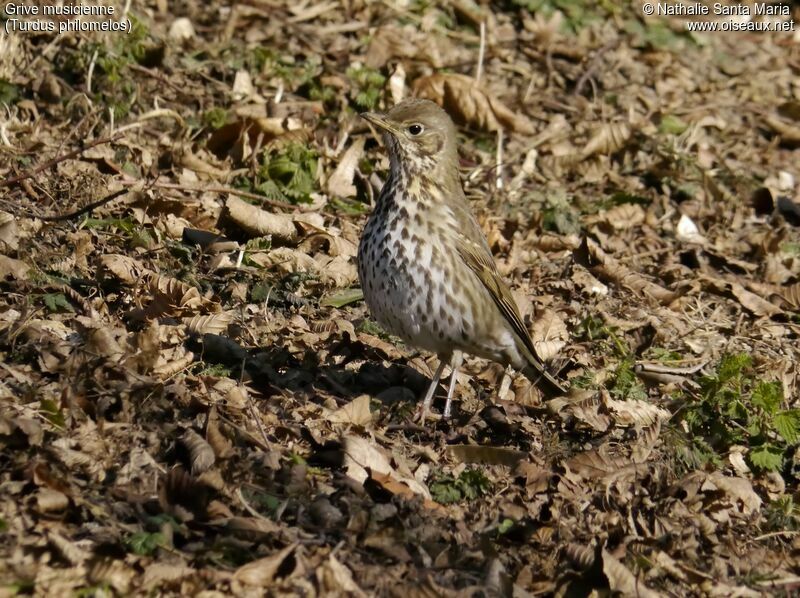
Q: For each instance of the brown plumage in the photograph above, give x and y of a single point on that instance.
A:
(425, 267)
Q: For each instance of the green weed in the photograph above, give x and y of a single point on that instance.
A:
(469, 485)
(735, 408)
(368, 84)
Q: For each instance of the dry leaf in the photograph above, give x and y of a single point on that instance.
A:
(620, 578)
(262, 572)
(260, 223)
(468, 102)
(11, 268)
(607, 139)
(340, 184)
(356, 412)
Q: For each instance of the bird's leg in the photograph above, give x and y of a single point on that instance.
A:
(455, 362)
(426, 402)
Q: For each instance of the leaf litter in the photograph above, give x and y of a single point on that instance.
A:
(195, 399)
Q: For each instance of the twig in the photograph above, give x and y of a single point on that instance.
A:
(221, 189)
(83, 210)
(90, 72)
(57, 159)
(481, 54)
(499, 160)
(592, 66)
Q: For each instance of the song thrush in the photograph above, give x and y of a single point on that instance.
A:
(426, 270)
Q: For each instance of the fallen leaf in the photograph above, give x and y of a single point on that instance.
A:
(468, 102)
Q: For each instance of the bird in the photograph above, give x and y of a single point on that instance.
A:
(425, 267)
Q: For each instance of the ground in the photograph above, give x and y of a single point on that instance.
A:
(195, 399)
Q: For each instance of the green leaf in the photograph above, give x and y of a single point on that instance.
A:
(768, 396)
(343, 297)
(766, 457)
(9, 93)
(52, 412)
(504, 526)
(787, 424)
(145, 543)
(56, 302)
(445, 491)
(672, 125)
(733, 366)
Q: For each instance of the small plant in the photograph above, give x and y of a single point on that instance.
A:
(559, 216)
(289, 174)
(626, 383)
(783, 514)
(145, 543)
(368, 85)
(215, 118)
(735, 408)
(469, 485)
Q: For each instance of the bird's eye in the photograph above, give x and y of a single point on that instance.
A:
(415, 129)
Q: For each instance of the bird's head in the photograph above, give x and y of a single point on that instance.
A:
(419, 135)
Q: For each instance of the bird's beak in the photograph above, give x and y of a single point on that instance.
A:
(379, 120)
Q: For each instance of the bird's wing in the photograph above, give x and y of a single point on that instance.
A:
(480, 261)
(477, 257)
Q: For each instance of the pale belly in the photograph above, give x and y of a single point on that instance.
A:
(416, 291)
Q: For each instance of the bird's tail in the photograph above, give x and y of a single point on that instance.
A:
(536, 373)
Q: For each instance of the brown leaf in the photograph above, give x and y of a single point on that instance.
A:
(356, 412)
(335, 579)
(263, 572)
(201, 455)
(468, 102)
(485, 455)
(9, 236)
(122, 267)
(606, 267)
(211, 324)
(607, 139)
(260, 223)
(14, 269)
(340, 183)
(620, 578)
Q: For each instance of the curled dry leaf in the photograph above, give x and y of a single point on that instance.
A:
(597, 463)
(211, 324)
(622, 580)
(549, 334)
(402, 488)
(260, 223)
(9, 239)
(792, 295)
(356, 412)
(123, 268)
(635, 413)
(335, 579)
(749, 300)
(786, 122)
(262, 572)
(201, 455)
(340, 184)
(607, 139)
(591, 255)
(14, 269)
(469, 103)
(391, 41)
(361, 455)
(740, 490)
(49, 500)
(623, 216)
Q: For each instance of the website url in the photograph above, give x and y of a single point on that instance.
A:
(712, 26)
